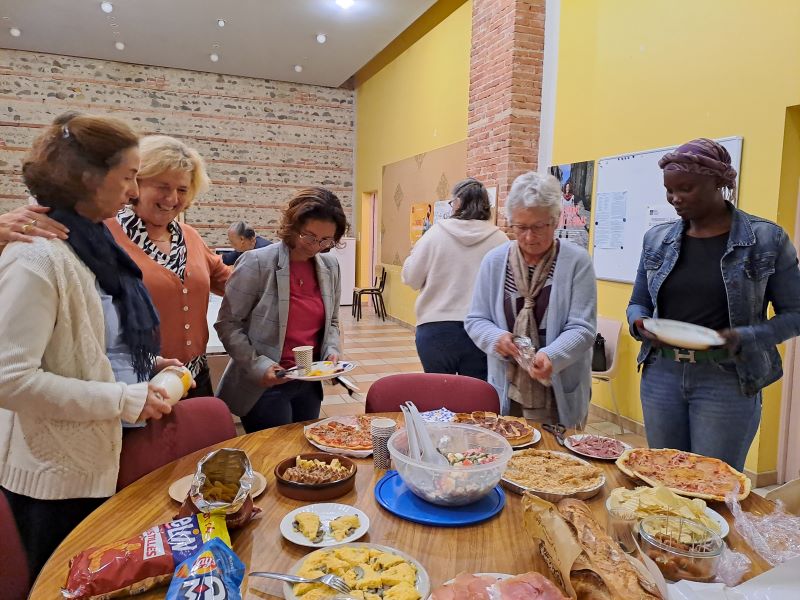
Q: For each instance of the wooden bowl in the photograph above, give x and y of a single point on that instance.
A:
(315, 492)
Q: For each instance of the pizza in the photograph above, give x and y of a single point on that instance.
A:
(515, 429)
(685, 473)
(336, 434)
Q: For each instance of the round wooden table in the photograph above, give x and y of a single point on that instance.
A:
(500, 545)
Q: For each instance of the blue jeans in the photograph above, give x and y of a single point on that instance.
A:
(698, 408)
(290, 402)
(445, 347)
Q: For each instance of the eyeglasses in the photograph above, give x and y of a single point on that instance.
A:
(535, 229)
(311, 239)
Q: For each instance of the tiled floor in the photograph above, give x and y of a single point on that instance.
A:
(380, 348)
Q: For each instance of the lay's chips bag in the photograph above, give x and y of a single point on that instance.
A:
(214, 573)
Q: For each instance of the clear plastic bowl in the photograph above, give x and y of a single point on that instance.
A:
(446, 485)
(696, 561)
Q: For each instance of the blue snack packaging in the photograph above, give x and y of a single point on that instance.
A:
(214, 573)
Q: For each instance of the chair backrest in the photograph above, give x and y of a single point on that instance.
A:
(193, 424)
(16, 579)
(430, 391)
(383, 280)
(610, 329)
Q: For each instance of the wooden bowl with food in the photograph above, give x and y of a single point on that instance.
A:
(315, 476)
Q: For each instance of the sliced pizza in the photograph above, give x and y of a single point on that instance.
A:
(685, 473)
(335, 434)
(514, 429)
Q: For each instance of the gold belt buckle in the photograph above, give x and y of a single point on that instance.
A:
(679, 356)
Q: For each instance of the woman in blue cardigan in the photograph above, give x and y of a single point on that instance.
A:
(544, 289)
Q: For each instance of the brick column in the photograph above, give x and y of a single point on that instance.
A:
(505, 91)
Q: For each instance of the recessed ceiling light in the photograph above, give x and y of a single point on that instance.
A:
(220, 22)
(322, 38)
(114, 25)
(214, 57)
(119, 46)
(14, 32)
(298, 68)
(345, 3)
(215, 45)
(106, 7)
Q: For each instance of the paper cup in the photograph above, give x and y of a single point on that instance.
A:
(303, 356)
(383, 427)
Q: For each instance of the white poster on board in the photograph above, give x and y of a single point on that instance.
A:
(610, 219)
(659, 214)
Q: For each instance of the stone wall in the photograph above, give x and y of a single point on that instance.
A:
(261, 139)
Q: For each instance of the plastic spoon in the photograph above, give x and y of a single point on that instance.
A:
(429, 453)
(413, 446)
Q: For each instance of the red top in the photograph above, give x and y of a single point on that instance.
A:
(306, 311)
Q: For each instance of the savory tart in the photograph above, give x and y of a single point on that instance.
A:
(309, 525)
(552, 472)
(514, 429)
(344, 526)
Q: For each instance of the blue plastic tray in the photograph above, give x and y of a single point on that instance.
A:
(393, 495)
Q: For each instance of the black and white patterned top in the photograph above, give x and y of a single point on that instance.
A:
(136, 230)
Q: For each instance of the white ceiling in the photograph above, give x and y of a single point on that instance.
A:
(261, 38)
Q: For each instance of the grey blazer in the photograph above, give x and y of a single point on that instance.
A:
(252, 320)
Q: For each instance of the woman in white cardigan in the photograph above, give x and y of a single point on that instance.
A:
(443, 265)
(543, 289)
(61, 403)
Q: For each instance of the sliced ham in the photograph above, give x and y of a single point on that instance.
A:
(529, 586)
(464, 587)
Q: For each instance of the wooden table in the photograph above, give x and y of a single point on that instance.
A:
(500, 545)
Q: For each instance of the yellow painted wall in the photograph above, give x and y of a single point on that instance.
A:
(416, 103)
(640, 75)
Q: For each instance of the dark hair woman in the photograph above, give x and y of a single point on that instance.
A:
(443, 265)
(280, 297)
(735, 264)
(80, 335)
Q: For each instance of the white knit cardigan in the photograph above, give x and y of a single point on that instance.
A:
(60, 408)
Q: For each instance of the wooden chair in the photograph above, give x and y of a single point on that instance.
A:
(610, 329)
(193, 424)
(430, 391)
(376, 293)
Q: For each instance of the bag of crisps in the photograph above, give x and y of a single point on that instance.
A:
(214, 573)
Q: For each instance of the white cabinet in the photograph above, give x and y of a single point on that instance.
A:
(347, 264)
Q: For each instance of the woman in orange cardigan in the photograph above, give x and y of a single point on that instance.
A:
(179, 269)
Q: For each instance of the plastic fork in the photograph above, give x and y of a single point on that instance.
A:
(429, 453)
(332, 581)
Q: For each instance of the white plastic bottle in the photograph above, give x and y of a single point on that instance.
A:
(175, 380)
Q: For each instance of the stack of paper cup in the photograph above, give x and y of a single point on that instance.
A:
(382, 430)
(303, 356)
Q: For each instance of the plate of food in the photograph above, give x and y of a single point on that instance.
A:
(596, 446)
(315, 476)
(516, 430)
(320, 370)
(384, 571)
(346, 435)
(685, 473)
(323, 525)
(683, 335)
(180, 488)
(646, 501)
(487, 586)
(552, 475)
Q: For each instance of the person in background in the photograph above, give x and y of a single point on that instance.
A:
(735, 264)
(79, 331)
(180, 271)
(443, 264)
(280, 297)
(543, 289)
(243, 238)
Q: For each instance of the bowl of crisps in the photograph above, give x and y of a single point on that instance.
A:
(315, 476)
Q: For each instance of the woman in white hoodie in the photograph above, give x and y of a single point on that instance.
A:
(443, 265)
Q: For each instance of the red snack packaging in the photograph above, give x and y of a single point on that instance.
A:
(132, 566)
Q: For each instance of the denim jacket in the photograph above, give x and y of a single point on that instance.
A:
(759, 266)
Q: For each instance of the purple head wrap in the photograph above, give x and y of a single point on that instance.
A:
(703, 157)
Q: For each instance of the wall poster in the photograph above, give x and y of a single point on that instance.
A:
(576, 201)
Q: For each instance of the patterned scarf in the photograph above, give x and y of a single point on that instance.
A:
(119, 277)
(702, 157)
(522, 388)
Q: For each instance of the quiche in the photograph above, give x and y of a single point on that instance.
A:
(514, 429)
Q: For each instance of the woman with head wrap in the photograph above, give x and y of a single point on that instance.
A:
(719, 267)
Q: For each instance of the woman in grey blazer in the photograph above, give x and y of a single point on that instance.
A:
(280, 297)
(543, 289)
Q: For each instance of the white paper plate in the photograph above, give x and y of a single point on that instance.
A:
(180, 488)
(340, 451)
(423, 581)
(537, 435)
(683, 335)
(580, 436)
(327, 512)
(342, 367)
(724, 528)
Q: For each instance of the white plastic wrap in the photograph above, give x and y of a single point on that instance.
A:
(776, 536)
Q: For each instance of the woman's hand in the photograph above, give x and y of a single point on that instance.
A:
(27, 222)
(732, 339)
(162, 363)
(542, 368)
(155, 406)
(505, 346)
(270, 378)
(333, 357)
(654, 341)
